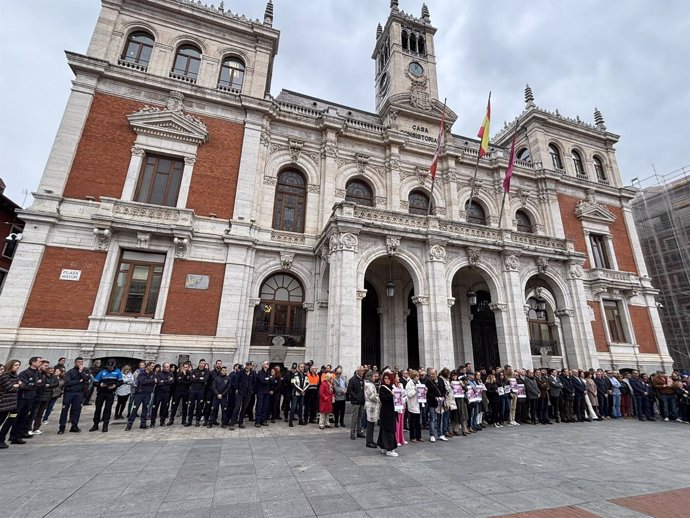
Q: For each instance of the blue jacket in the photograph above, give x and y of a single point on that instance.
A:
(75, 381)
(108, 380)
(264, 382)
(164, 382)
(639, 387)
(144, 384)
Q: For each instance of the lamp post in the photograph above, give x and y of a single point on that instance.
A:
(390, 285)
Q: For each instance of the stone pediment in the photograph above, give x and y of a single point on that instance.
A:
(170, 122)
(590, 210)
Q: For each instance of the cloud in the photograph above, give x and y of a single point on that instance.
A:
(627, 58)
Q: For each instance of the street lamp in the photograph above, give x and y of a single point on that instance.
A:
(390, 285)
(472, 297)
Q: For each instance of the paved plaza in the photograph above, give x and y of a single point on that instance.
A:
(303, 471)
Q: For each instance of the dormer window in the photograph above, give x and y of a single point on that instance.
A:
(231, 75)
(187, 62)
(138, 50)
(419, 203)
(599, 170)
(579, 167)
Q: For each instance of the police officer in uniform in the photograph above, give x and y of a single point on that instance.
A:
(220, 389)
(197, 391)
(161, 399)
(143, 388)
(208, 399)
(184, 380)
(245, 384)
(106, 381)
(76, 381)
(30, 380)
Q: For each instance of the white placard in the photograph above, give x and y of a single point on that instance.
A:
(70, 275)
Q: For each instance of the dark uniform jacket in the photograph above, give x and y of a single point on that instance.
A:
(145, 383)
(108, 381)
(75, 381)
(164, 382)
(221, 385)
(199, 378)
(245, 383)
(264, 382)
(184, 381)
(31, 380)
(51, 383)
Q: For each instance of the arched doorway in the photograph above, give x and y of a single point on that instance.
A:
(484, 337)
(412, 334)
(371, 327)
(280, 312)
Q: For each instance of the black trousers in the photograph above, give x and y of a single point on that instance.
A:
(208, 404)
(339, 412)
(196, 406)
(23, 420)
(555, 407)
(311, 402)
(579, 406)
(532, 406)
(242, 403)
(104, 404)
(221, 404)
(143, 401)
(161, 401)
(71, 403)
(121, 405)
(180, 399)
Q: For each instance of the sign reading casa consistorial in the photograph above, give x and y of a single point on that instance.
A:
(229, 219)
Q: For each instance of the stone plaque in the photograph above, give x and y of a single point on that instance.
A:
(196, 282)
(70, 275)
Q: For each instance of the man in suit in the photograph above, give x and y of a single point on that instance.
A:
(568, 396)
(555, 389)
(580, 389)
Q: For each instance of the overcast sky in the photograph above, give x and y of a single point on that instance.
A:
(630, 58)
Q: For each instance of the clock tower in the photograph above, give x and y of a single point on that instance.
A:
(405, 61)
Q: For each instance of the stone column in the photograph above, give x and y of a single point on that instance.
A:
(512, 316)
(344, 318)
(439, 323)
(248, 173)
(577, 325)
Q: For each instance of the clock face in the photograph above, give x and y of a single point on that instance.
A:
(416, 69)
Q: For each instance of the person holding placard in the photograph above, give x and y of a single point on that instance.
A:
(400, 398)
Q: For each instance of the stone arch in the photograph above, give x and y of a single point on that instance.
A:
(411, 262)
(410, 184)
(530, 207)
(350, 172)
(282, 160)
(234, 52)
(488, 274)
(301, 272)
(553, 281)
(188, 39)
(139, 25)
(483, 198)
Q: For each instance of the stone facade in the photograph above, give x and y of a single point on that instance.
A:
(305, 223)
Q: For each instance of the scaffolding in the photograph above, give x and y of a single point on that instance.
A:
(661, 210)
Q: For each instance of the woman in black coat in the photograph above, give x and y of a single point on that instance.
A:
(9, 385)
(387, 416)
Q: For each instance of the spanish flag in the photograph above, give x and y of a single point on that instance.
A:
(483, 133)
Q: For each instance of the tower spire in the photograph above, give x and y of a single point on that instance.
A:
(395, 6)
(599, 119)
(425, 13)
(529, 97)
(379, 31)
(268, 14)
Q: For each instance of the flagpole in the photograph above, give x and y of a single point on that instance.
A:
(511, 159)
(476, 168)
(503, 204)
(433, 179)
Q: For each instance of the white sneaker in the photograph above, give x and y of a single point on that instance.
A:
(515, 423)
(432, 439)
(37, 432)
(496, 425)
(679, 420)
(399, 445)
(442, 438)
(391, 453)
(30, 432)
(46, 422)
(511, 423)
(665, 419)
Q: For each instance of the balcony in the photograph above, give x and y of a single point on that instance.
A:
(263, 335)
(129, 64)
(184, 78)
(143, 216)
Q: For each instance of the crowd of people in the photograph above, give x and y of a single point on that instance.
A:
(403, 403)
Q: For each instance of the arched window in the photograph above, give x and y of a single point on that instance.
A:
(524, 154)
(420, 45)
(231, 75)
(419, 203)
(138, 49)
(413, 42)
(290, 201)
(541, 334)
(360, 193)
(579, 166)
(405, 43)
(524, 224)
(599, 170)
(475, 213)
(556, 157)
(280, 313)
(187, 61)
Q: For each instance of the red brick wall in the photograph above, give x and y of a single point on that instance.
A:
(598, 327)
(189, 311)
(104, 152)
(214, 181)
(64, 304)
(644, 333)
(572, 227)
(621, 242)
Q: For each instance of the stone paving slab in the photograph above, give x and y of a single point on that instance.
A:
(303, 471)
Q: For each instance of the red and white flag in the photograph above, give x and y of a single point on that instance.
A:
(509, 171)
